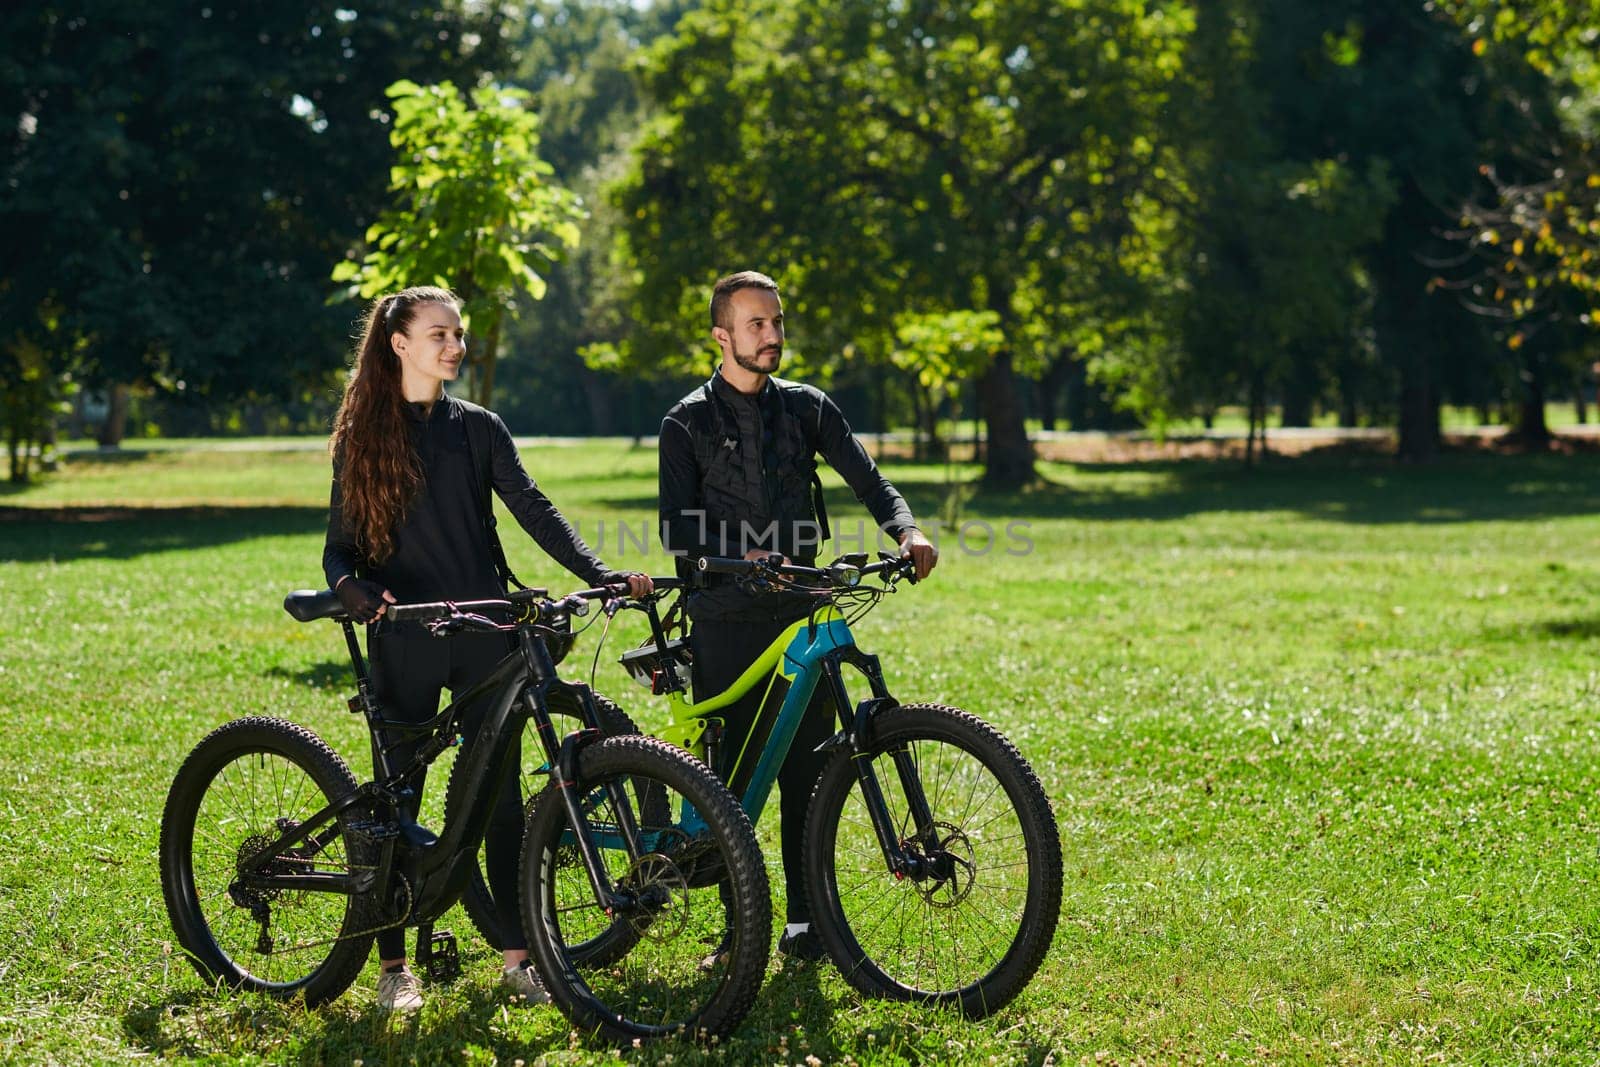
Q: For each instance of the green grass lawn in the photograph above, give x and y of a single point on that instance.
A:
(1321, 738)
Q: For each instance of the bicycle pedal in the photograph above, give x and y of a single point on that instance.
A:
(442, 960)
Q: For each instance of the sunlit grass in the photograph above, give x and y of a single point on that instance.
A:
(1321, 737)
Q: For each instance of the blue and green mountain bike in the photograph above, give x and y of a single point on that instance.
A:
(933, 863)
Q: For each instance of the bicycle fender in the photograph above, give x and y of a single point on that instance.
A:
(571, 745)
(860, 725)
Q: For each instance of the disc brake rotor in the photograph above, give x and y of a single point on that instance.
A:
(953, 867)
(663, 895)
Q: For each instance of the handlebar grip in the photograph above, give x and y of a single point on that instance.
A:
(723, 565)
(418, 612)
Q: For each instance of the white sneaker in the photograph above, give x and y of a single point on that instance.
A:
(524, 984)
(399, 991)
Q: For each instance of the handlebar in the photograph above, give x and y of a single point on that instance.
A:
(845, 572)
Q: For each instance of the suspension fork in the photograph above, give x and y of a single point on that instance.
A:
(856, 736)
(563, 756)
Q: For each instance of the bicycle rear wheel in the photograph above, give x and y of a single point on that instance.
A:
(241, 788)
(565, 714)
(969, 926)
(671, 983)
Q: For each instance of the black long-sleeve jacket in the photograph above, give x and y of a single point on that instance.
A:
(442, 548)
(735, 474)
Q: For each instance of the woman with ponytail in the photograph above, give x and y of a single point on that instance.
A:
(409, 521)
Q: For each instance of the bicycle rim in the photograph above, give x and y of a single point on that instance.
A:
(671, 982)
(972, 925)
(243, 787)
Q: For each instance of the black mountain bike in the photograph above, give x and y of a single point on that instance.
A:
(278, 868)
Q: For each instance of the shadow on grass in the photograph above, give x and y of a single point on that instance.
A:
(1460, 487)
(1550, 629)
(330, 675)
(793, 1020)
(33, 535)
(1580, 629)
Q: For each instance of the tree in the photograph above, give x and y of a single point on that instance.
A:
(942, 351)
(475, 211)
(178, 181)
(884, 158)
(1272, 275)
(577, 57)
(1533, 238)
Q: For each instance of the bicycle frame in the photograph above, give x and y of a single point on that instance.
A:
(435, 868)
(808, 653)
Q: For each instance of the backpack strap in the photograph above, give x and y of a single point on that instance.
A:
(480, 452)
(818, 505)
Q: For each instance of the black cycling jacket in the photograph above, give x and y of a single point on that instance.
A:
(735, 475)
(442, 548)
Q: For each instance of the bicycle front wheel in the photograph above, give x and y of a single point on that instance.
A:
(476, 898)
(674, 981)
(242, 788)
(971, 921)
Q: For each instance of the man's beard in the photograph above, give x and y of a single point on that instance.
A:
(753, 363)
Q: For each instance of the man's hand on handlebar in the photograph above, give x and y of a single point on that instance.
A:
(639, 584)
(921, 551)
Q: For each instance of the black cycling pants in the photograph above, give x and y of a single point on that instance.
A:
(723, 651)
(409, 670)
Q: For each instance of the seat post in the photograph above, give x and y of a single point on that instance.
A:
(356, 659)
(366, 704)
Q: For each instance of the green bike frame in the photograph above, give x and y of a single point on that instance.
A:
(807, 654)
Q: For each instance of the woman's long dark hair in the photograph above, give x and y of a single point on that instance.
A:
(379, 472)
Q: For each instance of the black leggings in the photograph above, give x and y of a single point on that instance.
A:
(722, 652)
(409, 670)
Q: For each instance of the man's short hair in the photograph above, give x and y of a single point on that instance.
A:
(732, 283)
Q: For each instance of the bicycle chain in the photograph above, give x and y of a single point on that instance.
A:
(405, 886)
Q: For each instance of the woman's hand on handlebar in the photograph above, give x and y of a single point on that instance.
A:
(364, 600)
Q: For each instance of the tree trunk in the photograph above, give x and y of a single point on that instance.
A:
(19, 457)
(1255, 419)
(1419, 415)
(1531, 429)
(116, 424)
(598, 399)
(1349, 413)
(1299, 389)
(1051, 382)
(491, 347)
(1580, 406)
(1009, 459)
(1076, 385)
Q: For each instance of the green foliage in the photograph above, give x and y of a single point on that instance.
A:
(474, 212)
(882, 159)
(578, 59)
(944, 350)
(179, 180)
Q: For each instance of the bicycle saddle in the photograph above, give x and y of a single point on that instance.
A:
(308, 605)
